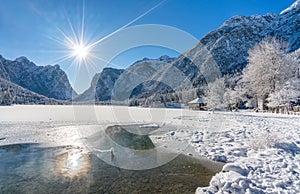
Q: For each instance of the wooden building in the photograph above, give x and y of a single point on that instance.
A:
(197, 104)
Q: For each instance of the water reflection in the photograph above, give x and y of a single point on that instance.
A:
(29, 168)
(72, 163)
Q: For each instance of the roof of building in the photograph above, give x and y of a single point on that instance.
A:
(197, 101)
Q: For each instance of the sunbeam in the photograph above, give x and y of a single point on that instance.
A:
(77, 49)
(76, 45)
(126, 25)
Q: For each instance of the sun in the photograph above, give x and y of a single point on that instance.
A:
(80, 51)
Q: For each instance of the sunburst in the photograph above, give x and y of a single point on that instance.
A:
(81, 52)
(79, 49)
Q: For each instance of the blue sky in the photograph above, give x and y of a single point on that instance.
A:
(33, 28)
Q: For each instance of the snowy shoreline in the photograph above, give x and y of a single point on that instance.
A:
(262, 150)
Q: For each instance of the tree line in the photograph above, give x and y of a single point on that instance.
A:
(270, 81)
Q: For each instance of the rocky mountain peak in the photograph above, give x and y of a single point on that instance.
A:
(22, 59)
(23, 63)
(238, 21)
(165, 58)
(293, 7)
(50, 81)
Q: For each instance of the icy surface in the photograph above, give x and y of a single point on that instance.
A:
(262, 150)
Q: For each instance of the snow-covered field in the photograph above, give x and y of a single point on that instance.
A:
(262, 150)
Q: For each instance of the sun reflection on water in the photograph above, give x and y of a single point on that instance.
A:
(73, 163)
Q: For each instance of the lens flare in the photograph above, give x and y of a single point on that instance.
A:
(80, 51)
(79, 48)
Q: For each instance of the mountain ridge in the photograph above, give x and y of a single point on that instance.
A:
(223, 51)
(220, 52)
(103, 85)
(49, 81)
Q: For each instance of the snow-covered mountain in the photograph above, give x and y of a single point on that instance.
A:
(101, 86)
(137, 74)
(116, 83)
(222, 51)
(287, 26)
(295, 5)
(225, 50)
(49, 81)
(11, 93)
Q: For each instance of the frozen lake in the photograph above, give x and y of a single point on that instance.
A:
(63, 149)
(262, 150)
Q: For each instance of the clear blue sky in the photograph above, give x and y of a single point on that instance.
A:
(30, 27)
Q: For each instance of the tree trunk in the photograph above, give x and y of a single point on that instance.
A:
(264, 102)
(256, 102)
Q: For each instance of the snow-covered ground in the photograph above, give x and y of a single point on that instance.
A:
(262, 150)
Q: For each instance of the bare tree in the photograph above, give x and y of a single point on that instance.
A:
(214, 96)
(269, 69)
